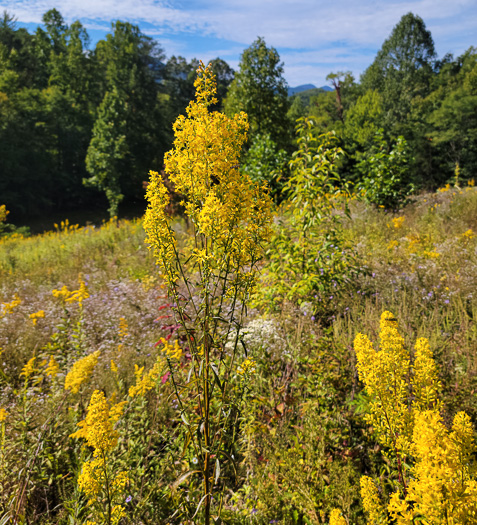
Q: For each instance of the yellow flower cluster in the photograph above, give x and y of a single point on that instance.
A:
(98, 427)
(37, 315)
(467, 235)
(247, 367)
(99, 432)
(230, 214)
(7, 308)
(336, 518)
(123, 328)
(53, 367)
(3, 213)
(29, 369)
(405, 415)
(123, 332)
(62, 294)
(81, 372)
(148, 381)
(384, 373)
(371, 501)
(397, 222)
(3, 415)
(68, 296)
(171, 351)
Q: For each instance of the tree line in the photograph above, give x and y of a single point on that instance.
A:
(80, 124)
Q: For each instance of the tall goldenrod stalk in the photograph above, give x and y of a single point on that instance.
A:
(210, 280)
(97, 480)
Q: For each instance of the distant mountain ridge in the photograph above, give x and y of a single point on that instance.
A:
(306, 87)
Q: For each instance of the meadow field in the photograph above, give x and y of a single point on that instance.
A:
(300, 438)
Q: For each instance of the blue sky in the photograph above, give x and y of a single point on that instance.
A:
(313, 37)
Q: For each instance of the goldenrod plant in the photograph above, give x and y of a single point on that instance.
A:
(210, 279)
(435, 481)
(98, 480)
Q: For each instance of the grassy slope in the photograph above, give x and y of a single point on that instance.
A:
(305, 443)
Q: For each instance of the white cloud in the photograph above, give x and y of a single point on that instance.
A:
(309, 33)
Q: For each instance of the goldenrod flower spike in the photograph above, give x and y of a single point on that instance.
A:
(96, 475)
(439, 470)
(231, 214)
(53, 367)
(371, 502)
(29, 368)
(336, 518)
(3, 415)
(81, 372)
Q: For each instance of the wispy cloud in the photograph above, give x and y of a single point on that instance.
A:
(309, 33)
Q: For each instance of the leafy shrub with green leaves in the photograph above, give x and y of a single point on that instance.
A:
(308, 260)
(385, 172)
(265, 162)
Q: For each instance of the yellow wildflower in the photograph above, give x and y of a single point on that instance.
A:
(371, 502)
(37, 315)
(336, 518)
(247, 367)
(64, 294)
(7, 308)
(3, 415)
(431, 254)
(149, 381)
(3, 213)
(384, 373)
(98, 427)
(29, 368)
(398, 222)
(444, 189)
(174, 352)
(123, 328)
(440, 487)
(96, 475)
(114, 367)
(79, 295)
(53, 367)
(230, 214)
(81, 372)
(425, 381)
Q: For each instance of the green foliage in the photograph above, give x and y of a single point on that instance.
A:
(307, 258)
(260, 90)
(385, 173)
(108, 149)
(453, 120)
(402, 68)
(264, 162)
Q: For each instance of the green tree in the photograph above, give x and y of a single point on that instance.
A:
(385, 172)
(265, 162)
(224, 75)
(260, 90)
(402, 69)
(108, 150)
(129, 65)
(179, 76)
(452, 119)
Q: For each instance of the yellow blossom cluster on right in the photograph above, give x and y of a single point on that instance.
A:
(3, 213)
(436, 468)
